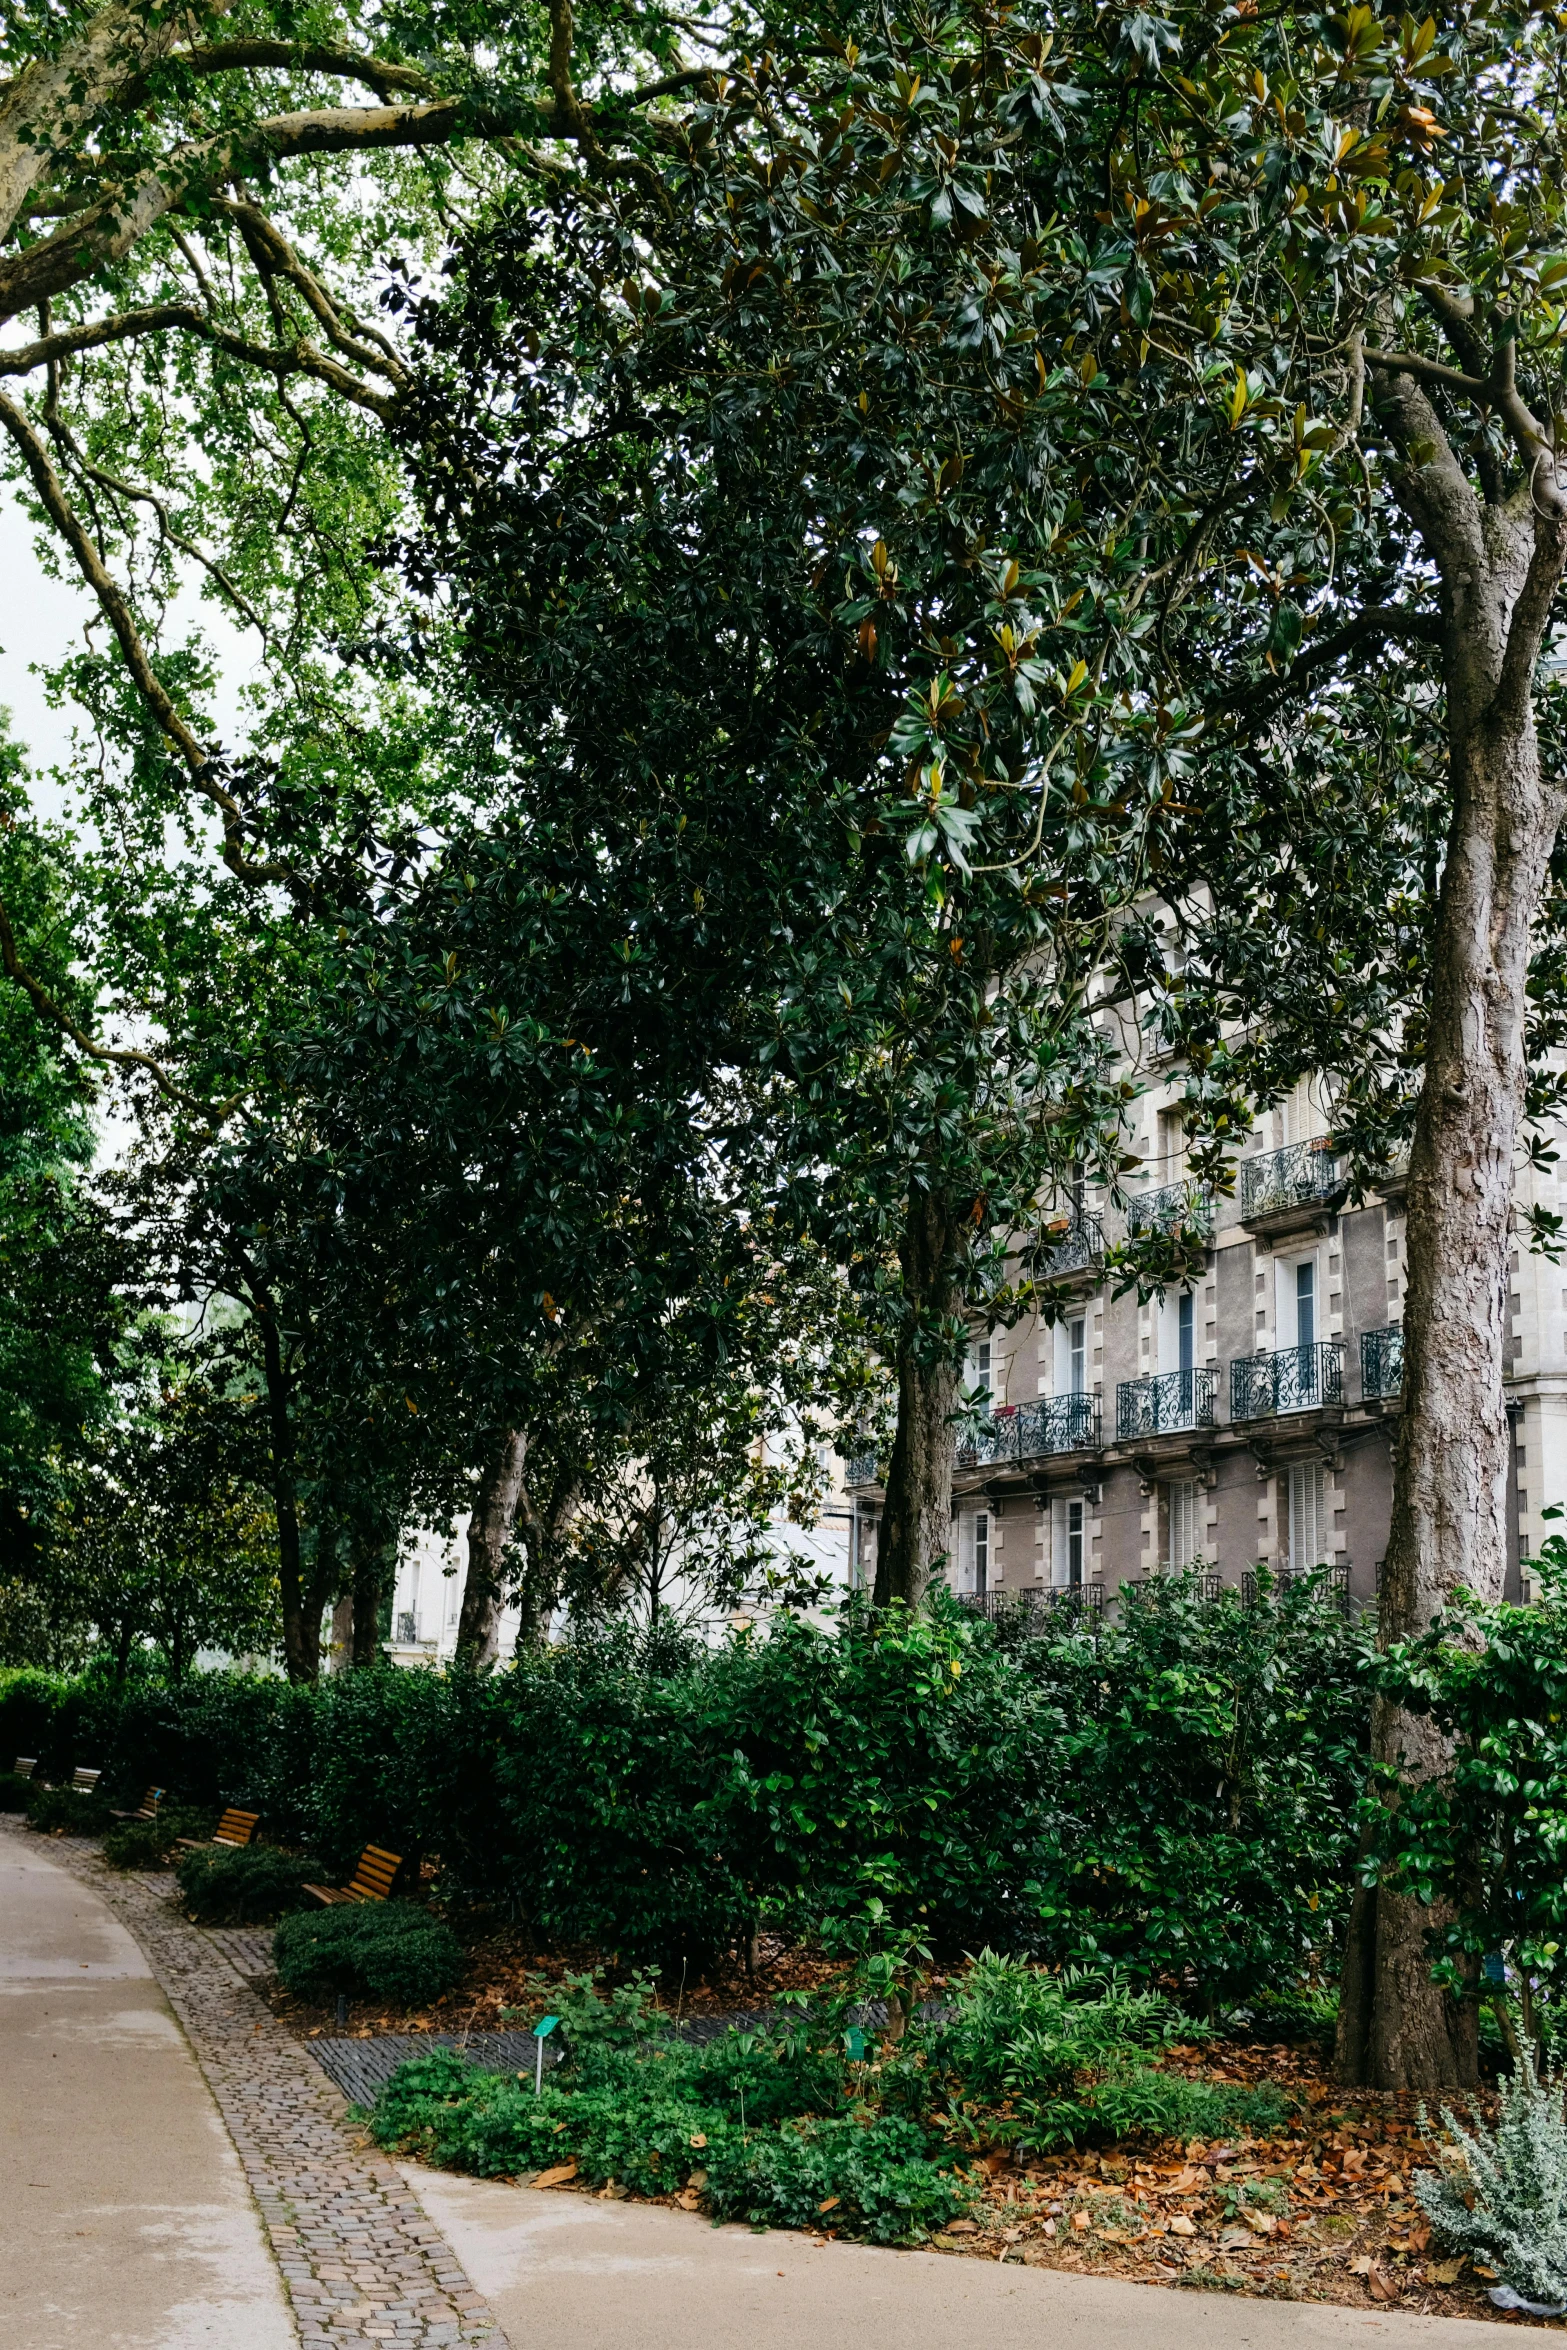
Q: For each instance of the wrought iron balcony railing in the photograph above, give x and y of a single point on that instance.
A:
(1072, 1243)
(1156, 1587)
(1180, 1210)
(863, 1469)
(1033, 1431)
(1295, 1379)
(1056, 1424)
(1080, 1599)
(1382, 1360)
(1156, 1407)
(1331, 1583)
(1303, 1174)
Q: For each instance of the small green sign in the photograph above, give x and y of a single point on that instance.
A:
(854, 2041)
(545, 2025)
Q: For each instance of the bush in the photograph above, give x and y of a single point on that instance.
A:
(13, 1791)
(639, 2118)
(1068, 2055)
(1503, 2194)
(137, 1844)
(390, 1950)
(52, 1808)
(248, 1886)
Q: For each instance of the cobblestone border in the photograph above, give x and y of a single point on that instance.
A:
(360, 2259)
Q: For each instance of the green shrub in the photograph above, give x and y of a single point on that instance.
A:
(640, 2119)
(49, 1808)
(1503, 2192)
(390, 1950)
(137, 1844)
(13, 1791)
(247, 1886)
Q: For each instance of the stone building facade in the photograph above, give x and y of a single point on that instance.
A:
(1247, 1415)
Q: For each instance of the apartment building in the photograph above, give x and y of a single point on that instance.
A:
(1247, 1415)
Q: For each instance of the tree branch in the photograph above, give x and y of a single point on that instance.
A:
(122, 1057)
(284, 262)
(348, 65)
(299, 358)
(1383, 624)
(51, 496)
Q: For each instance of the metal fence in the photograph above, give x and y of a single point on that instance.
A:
(863, 1469)
(1298, 1175)
(1086, 1599)
(1184, 1209)
(1205, 1586)
(1332, 1584)
(1070, 1244)
(1293, 1379)
(1034, 1431)
(1382, 1360)
(1175, 1399)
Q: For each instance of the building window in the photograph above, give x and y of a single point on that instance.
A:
(1186, 1331)
(1306, 1302)
(1071, 1543)
(1077, 1355)
(979, 1370)
(1308, 1515)
(1172, 1144)
(974, 1551)
(1180, 1500)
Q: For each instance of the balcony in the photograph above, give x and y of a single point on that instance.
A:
(1286, 1190)
(1185, 1584)
(1056, 1424)
(1331, 1585)
(1059, 1599)
(1161, 1406)
(863, 1469)
(1295, 1379)
(1182, 1212)
(1071, 1246)
(1381, 1361)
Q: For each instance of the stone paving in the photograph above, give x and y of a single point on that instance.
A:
(361, 2261)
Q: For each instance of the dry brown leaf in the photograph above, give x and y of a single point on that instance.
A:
(1383, 2286)
(556, 2177)
(831, 2203)
(1445, 2272)
(1182, 2226)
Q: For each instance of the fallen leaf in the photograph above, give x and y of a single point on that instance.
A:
(960, 2227)
(1080, 2220)
(697, 2139)
(1383, 2287)
(1182, 2226)
(831, 2203)
(1362, 2266)
(556, 2177)
(1444, 2272)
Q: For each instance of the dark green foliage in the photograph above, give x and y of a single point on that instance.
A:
(634, 2118)
(1072, 2055)
(13, 1791)
(49, 1808)
(390, 1950)
(1175, 1795)
(245, 1887)
(137, 1844)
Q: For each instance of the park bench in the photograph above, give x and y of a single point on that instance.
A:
(24, 1766)
(83, 1781)
(235, 1829)
(372, 1880)
(148, 1808)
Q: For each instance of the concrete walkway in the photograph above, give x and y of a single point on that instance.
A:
(126, 2223)
(569, 2273)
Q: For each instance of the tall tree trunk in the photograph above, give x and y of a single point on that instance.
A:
(916, 1528)
(341, 1650)
(373, 1552)
(489, 1531)
(301, 1622)
(1449, 1526)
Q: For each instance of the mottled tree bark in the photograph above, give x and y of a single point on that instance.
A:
(1500, 565)
(489, 1532)
(916, 1528)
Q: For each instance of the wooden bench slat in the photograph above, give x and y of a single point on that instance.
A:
(372, 1880)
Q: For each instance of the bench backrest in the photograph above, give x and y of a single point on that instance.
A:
(84, 1781)
(372, 1880)
(24, 1766)
(151, 1800)
(236, 1827)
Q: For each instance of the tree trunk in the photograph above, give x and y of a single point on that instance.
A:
(916, 1528)
(373, 1552)
(341, 1652)
(489, 1531)
(1449, 1524)
(301, 1623)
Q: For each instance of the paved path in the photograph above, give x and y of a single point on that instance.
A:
(567, 2272)
(126, 2217)
(361, 2261)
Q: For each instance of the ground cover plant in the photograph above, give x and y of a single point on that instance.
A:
(67, 1811)
(147, 1844)
(247, 1886)
(391, 1950)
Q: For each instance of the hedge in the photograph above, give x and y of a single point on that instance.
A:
(1176, 1793)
